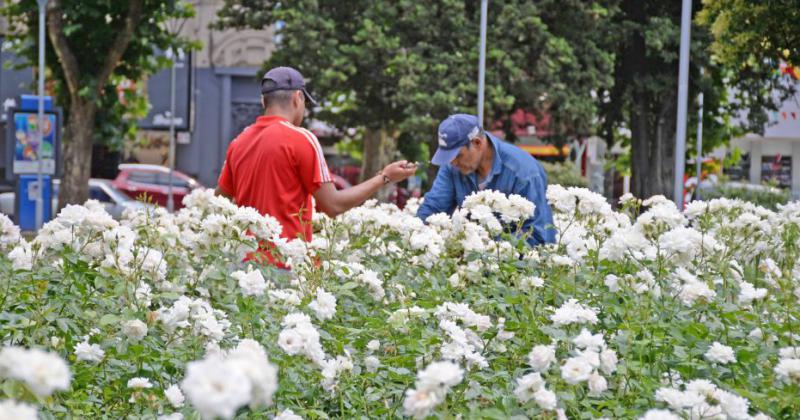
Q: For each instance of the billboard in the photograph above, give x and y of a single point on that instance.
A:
(158, 94)
(25, 144)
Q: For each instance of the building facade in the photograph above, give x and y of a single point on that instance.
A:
(224, 96)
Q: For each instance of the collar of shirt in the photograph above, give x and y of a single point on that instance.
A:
(497, 163)
(269, 119)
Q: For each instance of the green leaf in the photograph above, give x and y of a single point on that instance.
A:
(109, 319)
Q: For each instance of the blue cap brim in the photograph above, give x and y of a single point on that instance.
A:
(309, 97)
(443, 156)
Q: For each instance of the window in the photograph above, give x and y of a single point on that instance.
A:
(163, 179)
(143, 177)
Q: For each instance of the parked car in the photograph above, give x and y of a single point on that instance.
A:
(114, 200)
(344, 166)
(150, 183)
(340, 182)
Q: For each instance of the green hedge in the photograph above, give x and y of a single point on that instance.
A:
(763, 195)
(563, 174)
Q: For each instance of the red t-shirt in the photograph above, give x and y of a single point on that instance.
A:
(274, 167)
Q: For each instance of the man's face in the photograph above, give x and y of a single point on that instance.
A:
(469, 157)
(299, 107)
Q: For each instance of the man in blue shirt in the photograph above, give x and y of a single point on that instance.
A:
(470, 160)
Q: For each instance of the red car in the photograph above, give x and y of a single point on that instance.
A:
(151, 183)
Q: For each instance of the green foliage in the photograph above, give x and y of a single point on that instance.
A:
(80, 282)
(405, 65)
(750, 34)
(644, 94)
(563, 173)
(91, 28)
(647, 41)
(765, 195)
(749, 40)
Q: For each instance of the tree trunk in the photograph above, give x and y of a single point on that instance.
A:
(82, 109)
(664, 150)
(652, 116)
(641, 163)
(77, 153)
(379, 151)
(653, 144)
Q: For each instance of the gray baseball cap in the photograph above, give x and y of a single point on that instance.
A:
(284, 78)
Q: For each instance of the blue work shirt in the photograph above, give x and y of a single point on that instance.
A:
(513, 172)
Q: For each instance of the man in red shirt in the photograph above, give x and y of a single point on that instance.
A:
(276, 166)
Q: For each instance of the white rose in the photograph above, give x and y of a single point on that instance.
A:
(719, 353)
(291, 341)
(89, 352)
(576, 370)
(612, 282)
(597, 385)
(545, 399)
(372, 363)
(175, 396)
(541, 357)
(608, 361)
(139, 383)
(373, 345)
(134, 329)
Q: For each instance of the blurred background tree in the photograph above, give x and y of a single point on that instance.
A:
(397, 68)
(92, 47)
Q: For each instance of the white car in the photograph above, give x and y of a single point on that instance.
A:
(114, 200)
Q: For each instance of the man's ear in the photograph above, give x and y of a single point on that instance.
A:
(263, 102)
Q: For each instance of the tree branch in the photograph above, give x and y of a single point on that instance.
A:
(120, 43)
(55, 30)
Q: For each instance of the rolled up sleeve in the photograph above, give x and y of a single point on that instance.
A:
(441, 198)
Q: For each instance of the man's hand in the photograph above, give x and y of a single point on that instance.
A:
(400, 170)
(333, 202)
(220, 192)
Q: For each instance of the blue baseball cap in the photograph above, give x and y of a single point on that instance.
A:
(455, 132)
(284, 78)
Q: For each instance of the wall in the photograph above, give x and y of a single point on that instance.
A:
(227, 102)
(226, 96)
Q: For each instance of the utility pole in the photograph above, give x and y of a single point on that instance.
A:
(699, 163)
(170, 195)
(683, 95)
(482, 60)
(40, 121)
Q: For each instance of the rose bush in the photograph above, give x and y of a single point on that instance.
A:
(646, 312)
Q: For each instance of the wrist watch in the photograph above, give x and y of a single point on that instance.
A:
(386, 179)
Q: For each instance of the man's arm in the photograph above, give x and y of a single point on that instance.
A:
(220, 192)
(540, 226)
(225, 182)
(334, 202)
(442, 196)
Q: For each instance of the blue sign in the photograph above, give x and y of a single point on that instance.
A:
(28, 190)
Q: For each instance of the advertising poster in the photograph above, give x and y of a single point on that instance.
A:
(27, 147)
(777, 168)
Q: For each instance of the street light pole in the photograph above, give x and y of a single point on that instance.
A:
(683, 95)
(482, 60)
(170, 199)
(699, 163)
(173, 27)
(40, 121)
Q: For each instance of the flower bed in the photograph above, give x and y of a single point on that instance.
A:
(643, 313)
